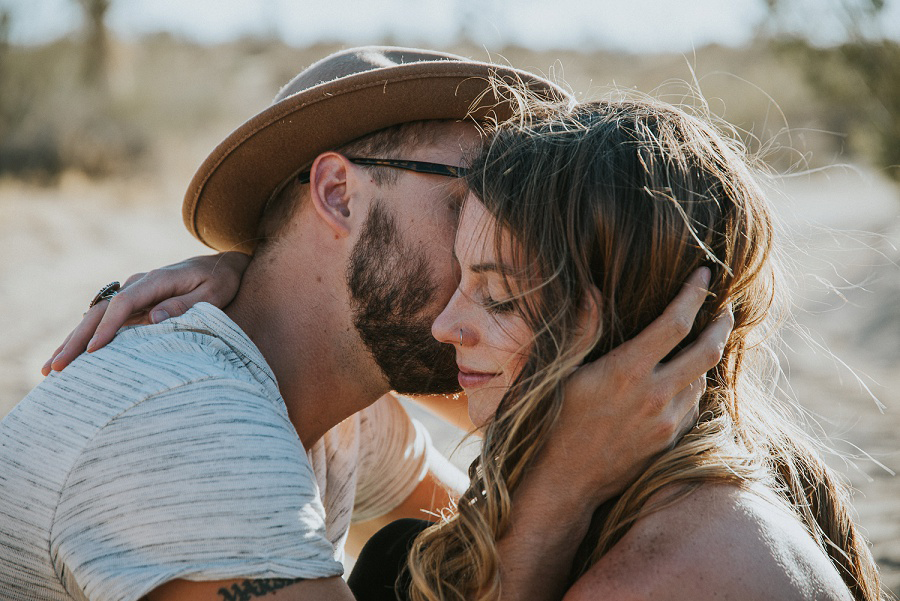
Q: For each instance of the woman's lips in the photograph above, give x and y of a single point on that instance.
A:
(474, 379)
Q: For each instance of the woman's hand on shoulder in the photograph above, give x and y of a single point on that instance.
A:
(153, 297)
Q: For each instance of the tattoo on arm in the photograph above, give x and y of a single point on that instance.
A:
(255, 588)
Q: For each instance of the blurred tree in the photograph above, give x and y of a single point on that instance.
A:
(4, 38)
(19, 151)
(95, 44)
(57, 111)
(4, 50)
(858, 76)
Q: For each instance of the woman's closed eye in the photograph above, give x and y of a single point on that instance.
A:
(499, 306)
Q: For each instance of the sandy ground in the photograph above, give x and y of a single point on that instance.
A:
(61, 244)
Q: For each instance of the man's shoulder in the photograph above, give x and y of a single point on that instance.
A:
(201, 340)
(174, 367)
(198, 348)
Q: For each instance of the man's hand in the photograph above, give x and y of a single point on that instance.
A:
(627, 407)
(619, 412)
(151, 298)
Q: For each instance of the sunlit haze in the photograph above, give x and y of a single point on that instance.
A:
(635, 26)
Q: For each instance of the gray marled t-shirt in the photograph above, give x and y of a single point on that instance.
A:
(169, 454)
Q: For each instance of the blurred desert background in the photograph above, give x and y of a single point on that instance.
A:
(101, 128)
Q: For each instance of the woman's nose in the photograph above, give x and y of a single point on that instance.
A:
(447, 325)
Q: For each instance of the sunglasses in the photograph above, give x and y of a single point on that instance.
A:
(417, 166)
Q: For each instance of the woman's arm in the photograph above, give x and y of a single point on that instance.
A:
(151, 298)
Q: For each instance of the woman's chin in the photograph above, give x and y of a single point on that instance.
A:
(483, 406)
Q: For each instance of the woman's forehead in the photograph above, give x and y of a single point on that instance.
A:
(477, 230)
(476, 236)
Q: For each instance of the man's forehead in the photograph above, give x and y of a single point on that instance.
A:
(451, 142)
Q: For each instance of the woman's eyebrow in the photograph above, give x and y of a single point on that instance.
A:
(501, 268)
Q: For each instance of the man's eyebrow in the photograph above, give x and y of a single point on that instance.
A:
(458, 193)
(458, 197)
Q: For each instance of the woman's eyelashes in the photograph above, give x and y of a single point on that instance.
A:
(498, 307)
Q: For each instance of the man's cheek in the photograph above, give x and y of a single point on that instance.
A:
(446, 281)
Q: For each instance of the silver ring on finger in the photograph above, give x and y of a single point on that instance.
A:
(106, 293)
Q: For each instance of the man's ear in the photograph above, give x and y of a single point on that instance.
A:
(331, 180)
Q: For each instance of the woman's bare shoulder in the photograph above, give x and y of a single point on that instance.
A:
(719, 541)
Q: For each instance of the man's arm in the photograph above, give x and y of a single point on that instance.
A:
(274, 589)
(620, 412)
(442, 485)
(401, 474)
(452, 408)
(225, 492)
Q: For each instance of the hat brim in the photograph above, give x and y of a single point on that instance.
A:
(227, 195)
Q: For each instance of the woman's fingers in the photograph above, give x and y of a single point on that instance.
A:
(179, 305)
(76, 341)
(155, 287)
(153, 297)
(46, 368)
(101, 322)
(132, 279)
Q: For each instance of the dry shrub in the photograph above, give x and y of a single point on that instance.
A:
(50, 121)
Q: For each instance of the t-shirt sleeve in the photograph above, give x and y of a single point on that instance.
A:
(394, 453)
(205, 482)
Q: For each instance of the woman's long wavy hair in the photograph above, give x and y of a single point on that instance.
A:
(632, 196)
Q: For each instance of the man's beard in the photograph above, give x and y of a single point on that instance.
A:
(391, 285)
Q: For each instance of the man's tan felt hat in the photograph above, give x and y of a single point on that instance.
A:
(338, 99)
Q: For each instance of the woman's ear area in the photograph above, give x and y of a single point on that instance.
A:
(589, 319)
(333, 184)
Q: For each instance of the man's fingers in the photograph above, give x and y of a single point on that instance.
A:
(691, 400)
(665, 332)
(700, 356)
(681, 412)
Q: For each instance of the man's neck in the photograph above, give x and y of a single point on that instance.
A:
(303, 329)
